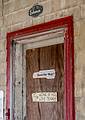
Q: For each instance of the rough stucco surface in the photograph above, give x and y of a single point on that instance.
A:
(14, 16)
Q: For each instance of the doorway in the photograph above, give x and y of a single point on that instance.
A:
(45, 59)
(43, 55)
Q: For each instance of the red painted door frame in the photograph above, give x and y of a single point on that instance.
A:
(67, 23)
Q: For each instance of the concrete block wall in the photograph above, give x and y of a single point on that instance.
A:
(14, 16)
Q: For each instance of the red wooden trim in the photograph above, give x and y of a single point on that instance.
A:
(66, 22)
(8, 79)
(41, 27)
(69, 72)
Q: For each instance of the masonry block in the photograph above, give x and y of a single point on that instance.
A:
(47, 7)
(1, 21)
(77, 29)
(6, 1)
(3, 68)
(18, 16)
(57, 5)
(82, 34)
(82, 106)
(79, 116)
(0, 11)
(26, 3)
(2, 79)
(17, 26)
(8, 7)
(38, 20)
(50, 17)
(83, 11)
(76, 12)
(8, 20)
(71, 3)
(2, 56)
(78, 84)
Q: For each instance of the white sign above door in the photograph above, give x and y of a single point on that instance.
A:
(48, 74)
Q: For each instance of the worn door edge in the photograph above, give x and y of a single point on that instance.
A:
(67, 22)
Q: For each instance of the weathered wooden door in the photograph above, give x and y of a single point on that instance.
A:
(45, 58)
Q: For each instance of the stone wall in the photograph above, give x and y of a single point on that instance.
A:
(14, 16)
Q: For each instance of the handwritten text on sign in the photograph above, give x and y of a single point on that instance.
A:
(1, 105)
(48, 74)
(44, 97)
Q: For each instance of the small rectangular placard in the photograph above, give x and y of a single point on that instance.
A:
(1, 105)
(48, 74)
(44, 97)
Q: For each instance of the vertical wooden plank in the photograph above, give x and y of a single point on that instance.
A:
(53, 58)
(18, 85)
(32, 85)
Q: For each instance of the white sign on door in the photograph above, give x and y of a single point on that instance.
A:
(48, 74)
(44, 97)
(1, 105)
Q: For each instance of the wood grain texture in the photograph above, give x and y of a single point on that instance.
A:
(51, 57)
